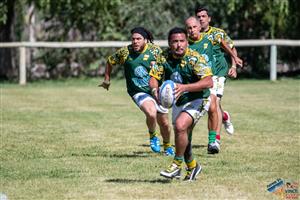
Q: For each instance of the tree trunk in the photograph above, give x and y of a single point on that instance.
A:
(6, 59)
(30, 27)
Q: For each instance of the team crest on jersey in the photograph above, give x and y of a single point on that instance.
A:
(205, 45)
(146, 56)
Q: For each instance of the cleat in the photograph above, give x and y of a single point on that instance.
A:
(228, 125)
(169, 151)
(173, 171)
(154, 144)
(192, 173)
(213, 148)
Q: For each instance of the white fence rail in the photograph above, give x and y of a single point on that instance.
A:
(163, 43)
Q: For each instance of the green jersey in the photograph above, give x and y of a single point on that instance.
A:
(190, 68)
(216, 35)
(136, 66)
(204, 47)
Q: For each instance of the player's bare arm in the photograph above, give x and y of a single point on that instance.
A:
(106, 83)
(194, 87)
(233, 55)
(153, 84)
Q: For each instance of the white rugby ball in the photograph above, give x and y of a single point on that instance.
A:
(166, 94)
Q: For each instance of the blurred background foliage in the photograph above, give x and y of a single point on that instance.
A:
(100, 20)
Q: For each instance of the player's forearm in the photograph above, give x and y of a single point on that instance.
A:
(108, 70)
(228, 49)
(233, 64)
(200, 85)
(153, 83)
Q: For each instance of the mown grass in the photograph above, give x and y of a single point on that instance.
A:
(72, 140)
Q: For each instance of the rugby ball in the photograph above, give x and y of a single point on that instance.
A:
(166, 94)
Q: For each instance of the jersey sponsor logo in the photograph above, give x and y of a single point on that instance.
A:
(176, 77)
(142, 77)
(146, 56)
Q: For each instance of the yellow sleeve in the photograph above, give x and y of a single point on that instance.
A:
(119, 57)
(202, 68)
(157, 70)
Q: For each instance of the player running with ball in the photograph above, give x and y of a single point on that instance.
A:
(137, 59)
(192, 75)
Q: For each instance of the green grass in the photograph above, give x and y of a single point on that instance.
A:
(73, 140)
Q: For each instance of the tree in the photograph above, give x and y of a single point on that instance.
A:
(6, 28)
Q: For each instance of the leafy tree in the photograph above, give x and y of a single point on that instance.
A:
(98, 20)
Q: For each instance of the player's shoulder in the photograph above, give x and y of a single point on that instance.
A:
(153, 46)
(218, 30)
(122, 53)
(192, 53)
(124, 50)
(154, 49)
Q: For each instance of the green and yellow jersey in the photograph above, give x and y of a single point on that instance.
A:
(204, 47)
(216, 35)
(136, 66)
(190, 68)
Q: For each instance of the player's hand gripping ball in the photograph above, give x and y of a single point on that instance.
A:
(166, 94)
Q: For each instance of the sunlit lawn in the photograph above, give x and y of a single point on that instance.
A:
(73, 140)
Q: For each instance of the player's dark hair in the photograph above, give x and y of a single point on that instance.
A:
(175, 31)
(200, 9)
(143, 32)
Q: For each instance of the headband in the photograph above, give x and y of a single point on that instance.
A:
(141, 31)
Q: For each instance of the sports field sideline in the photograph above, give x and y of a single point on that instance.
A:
(72, 140)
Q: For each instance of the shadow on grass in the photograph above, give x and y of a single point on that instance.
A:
(127, 181)
(135, 154)
(195, 146)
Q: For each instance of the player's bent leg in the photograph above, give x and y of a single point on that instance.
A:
(165, 130)
(212, 125)
(182, 123)
(149, 109)
(214, 136)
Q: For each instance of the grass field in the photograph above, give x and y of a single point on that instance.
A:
(73, 140)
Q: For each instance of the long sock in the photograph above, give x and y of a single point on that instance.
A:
(152, 134)
(166, 145)
(191, 164)
(178, 160)
(218, 137)
(211, 136)
(225, 116)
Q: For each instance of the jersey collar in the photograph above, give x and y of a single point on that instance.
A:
(209, 30)
(145, 48)
(195, 41)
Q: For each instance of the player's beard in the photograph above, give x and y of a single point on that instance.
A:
(138, 48)
(179, 52)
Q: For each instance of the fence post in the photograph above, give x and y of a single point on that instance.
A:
(22, 66)
(273, 63)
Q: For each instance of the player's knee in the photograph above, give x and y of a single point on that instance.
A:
(163, 123)
(151, 115)
(180, 127)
